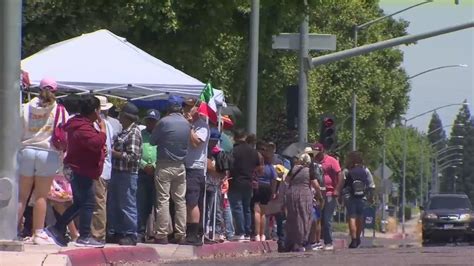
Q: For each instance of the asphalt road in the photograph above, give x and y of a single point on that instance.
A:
(439, 255)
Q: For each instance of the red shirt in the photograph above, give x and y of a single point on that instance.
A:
(331, 170)
(86, 147)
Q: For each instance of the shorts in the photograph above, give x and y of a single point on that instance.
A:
(41, 163)
(316, 215)
(195, 186)
(263, 194)
(355, 207)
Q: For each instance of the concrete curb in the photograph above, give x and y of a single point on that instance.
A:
(235, 249)
(113, 256)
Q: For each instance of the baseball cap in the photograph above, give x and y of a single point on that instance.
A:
(215, 134)
(49, 83)
(317, 148)
(152, 114)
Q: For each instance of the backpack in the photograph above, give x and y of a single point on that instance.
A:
(359, 183)
(59, 137)
(224, 161)
(316, 169)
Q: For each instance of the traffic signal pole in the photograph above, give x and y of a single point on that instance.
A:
(10, 56)
(365, 49)
(252, 90)
(303, 81)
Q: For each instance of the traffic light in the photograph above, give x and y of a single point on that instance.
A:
(328, 132)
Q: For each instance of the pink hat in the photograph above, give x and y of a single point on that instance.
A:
(49, 82)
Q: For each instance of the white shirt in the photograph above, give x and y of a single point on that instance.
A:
(197, 156)
(111, 135)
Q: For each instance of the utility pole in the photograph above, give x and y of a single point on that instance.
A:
(384, 188)
(252, 90)
(10, 56)
(421, 175)
(303, 80)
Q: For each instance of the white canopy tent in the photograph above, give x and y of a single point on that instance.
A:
(102, 62)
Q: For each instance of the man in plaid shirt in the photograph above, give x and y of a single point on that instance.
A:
(126, 155)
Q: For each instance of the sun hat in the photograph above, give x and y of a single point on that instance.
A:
(104, 103)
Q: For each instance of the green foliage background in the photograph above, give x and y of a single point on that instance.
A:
(208, 39)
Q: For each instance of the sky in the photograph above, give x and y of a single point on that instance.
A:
(445, 86)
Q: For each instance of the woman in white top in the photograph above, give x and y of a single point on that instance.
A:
(38, 159)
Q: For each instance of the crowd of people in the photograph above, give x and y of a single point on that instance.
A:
(90, 176)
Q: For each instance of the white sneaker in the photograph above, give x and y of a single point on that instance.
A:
(316, 246)
(43, 239)
(257, 238)
(328, 247)
(263, 238)
(238, 238)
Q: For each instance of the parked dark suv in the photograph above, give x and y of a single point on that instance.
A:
(448, 216)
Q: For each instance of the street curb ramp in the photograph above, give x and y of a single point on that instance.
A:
(233, 249)
(112, 256)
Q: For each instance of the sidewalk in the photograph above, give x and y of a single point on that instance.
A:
(142, 254)
(151, 254)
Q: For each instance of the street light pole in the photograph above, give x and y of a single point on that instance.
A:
(10, 50)
(252, 91)
(404, 168)
(437, 68)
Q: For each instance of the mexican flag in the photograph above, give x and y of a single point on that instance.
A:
(211, 99)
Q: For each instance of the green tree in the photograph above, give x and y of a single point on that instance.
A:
(208, 39)
(461, 135)
(417, 163)
(466, 182)
(437, 135)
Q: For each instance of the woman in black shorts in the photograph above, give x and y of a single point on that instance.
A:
(263, 193)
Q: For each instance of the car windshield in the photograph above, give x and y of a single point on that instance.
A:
(449, 203)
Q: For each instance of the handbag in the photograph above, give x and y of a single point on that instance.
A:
(60, 190)
(59, 137)
(275, 206)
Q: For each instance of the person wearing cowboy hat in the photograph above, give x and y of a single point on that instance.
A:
(99, 218)
(126, 156)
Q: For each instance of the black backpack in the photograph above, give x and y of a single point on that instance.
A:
(224, 161)
(359, 183)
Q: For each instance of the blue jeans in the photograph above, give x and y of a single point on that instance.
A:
(280, 220)
(224, 222)
(327, 216)
(240, 206)
(122, 204)
(146, 196)
(84, 202)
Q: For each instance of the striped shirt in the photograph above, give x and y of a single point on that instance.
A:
(129, 142)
